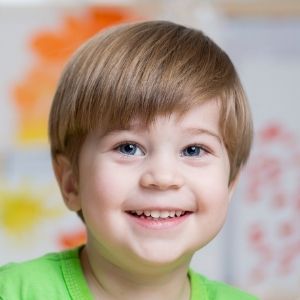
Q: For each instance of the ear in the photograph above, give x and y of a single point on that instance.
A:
(232, 186)
(67, 182)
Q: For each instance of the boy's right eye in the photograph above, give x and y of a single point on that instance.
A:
(130, 149)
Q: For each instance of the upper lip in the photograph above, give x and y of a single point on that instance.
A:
(160, 204)
(168, 208)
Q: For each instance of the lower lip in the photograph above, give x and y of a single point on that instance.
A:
(159, 224)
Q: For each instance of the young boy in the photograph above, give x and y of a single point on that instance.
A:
(149, 130)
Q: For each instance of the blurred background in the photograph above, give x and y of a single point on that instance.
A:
(259, 247)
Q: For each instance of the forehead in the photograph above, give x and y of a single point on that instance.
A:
(203, 117)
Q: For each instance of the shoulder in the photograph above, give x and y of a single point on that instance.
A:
(34, 277)
(216, 290)
(41, 266)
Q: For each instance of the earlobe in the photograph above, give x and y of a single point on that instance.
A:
(67, 182)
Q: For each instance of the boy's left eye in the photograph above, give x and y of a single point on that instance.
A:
(193, 150)
(130, 149)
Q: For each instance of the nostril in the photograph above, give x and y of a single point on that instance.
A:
(161, 179)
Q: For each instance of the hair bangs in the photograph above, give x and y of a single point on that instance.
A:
(156, 71)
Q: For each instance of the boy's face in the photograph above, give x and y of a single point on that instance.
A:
(155, 195)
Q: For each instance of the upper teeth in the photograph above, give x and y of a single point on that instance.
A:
(159, 214)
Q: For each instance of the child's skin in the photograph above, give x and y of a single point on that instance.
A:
(178, 163)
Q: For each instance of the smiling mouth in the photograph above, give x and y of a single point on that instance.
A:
(158, 215)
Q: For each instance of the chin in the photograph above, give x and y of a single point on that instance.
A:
(164, 258)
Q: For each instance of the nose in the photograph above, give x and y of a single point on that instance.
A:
(161, 175)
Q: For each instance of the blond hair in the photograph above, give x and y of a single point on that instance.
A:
(142, 70)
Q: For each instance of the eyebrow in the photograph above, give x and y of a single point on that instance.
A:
(192, 131)
(200, 131)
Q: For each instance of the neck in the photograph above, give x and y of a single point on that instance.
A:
(108, 281)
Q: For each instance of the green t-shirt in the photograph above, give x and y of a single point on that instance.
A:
(58, 276)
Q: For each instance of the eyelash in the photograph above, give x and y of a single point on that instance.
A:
(126, 143)
(201, 149)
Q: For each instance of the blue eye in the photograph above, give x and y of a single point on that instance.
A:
(130, 149)
(193, 151)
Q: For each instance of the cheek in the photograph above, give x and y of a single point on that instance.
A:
(105, 186)
(213, 191)
(212, 209)
(215, 201)
(97, 190)
(101, 202)
(217, 206)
